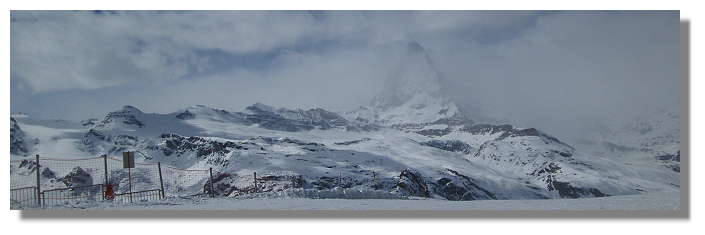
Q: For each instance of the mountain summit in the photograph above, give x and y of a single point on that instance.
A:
(413, 92)
(415, 75)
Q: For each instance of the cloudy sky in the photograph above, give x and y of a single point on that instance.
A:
(545, 69)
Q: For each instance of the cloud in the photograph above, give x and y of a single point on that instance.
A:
(338, 79)
(61, 50)
(553, 70)
(572, 69)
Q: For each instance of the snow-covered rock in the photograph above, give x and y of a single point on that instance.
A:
(18, 145)
(412, 141)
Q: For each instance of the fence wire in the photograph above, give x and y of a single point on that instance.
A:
(23, 196)
(64, 181)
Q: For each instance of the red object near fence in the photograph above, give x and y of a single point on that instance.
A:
(109, 192)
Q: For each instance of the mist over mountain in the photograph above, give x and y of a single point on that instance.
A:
(416, 139)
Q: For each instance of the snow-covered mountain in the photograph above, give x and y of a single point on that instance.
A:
(18, 145)
(411, 141)
(649, 143)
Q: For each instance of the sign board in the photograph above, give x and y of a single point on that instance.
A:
(128, 159)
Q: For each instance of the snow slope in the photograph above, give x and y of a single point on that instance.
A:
(411, 142)
(651, 201)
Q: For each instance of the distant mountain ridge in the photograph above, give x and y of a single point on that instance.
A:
(417, 141)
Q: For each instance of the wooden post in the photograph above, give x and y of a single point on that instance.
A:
(39, 183)
(340, 179)
(211, 182)
(161, 180)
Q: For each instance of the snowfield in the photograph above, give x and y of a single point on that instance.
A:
(667, 200)
(411, 149)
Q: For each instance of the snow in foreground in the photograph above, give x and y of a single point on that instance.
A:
(649, 201)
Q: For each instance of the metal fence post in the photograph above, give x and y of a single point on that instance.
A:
(211, 181)
(105, 167)
(161, 180)
(129, 179)
(39, 183)
(256, 188)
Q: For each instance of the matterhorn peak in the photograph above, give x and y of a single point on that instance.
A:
(413, 90)
(414, 46)
(413, 76)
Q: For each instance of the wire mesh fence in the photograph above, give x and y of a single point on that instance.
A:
(61, 181)
(140, 196)
(24, 196)
(230, 185)
(88, 193)
(51, 181)
(182, 182)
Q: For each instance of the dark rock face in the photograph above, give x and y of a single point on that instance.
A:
(18, 145)
(324, 119)
(411, 183)
(79, 178)
(179, 145)
(185, 115)
(671, 161)
(352, 141)
(270, 120)
(302, 120)
(126, 115)
(90, 122)
(92, 139)
(366, 127)
(456, 120)
(226, 185)
(677, 157)
(270, 140)
(469, 190)
(508, 131)
(453, 192)
(549, 174)
(618, 148)
(486, 129)
(434, 132)
(48, 173)
(125, 140)
(670, 157)
(566, 190)
(96, 134)
(449, 145)
(30, 165)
